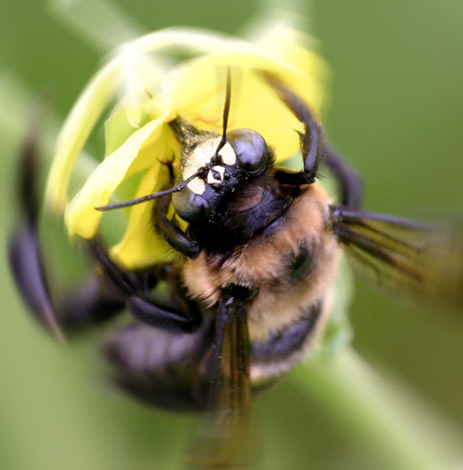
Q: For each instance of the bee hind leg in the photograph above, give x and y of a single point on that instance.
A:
(99, 299)
(27, 269)
(93, 303)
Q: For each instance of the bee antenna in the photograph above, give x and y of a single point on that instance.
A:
(150, 197)
(226, 113)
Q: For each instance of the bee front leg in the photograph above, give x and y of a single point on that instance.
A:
(177, 238)
(311, 138)
(315, 151)
(172, 232)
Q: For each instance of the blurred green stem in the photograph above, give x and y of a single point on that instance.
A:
(361, 406)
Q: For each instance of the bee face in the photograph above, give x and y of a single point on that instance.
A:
(204, 156)
(244, 156)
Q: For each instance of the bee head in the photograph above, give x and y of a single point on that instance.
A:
(221, 168)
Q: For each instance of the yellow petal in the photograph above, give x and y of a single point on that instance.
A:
(75, 132)
(194, 90)
(141, 247)
(103, 87)
(294, 48)
(139, 151)
(198, 95)
(84, 115)
(98, 94)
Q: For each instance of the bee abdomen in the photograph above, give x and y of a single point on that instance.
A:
(281, 351)
(161, 368)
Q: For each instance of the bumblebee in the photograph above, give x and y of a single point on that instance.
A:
(255, 282)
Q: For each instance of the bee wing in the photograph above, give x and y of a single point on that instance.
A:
(421, 258)
(223, 439)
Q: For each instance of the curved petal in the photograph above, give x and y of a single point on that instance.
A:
(199, 88)
(141, 246)
(75, 132)
(86, 112)
(139, 151)
(194, 90)
(104, 85)
(97, 95)
(296, 49)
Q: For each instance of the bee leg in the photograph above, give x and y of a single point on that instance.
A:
(311, 138)
(177, 238)
(23, 251)
(90, 305)
(174, 314)
(171, 231)
(27, 268)
(314, 151)
(349, 181)
(94, 303)
(165, 317)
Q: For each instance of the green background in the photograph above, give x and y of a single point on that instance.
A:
(396, 113)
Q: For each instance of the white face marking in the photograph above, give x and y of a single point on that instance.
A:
(198, 186)
(201, 156)
(215, 175)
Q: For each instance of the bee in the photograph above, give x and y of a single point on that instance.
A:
(254, 285)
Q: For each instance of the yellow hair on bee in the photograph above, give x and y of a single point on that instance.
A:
(262, 264)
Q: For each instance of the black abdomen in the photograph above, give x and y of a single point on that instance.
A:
(171, 370)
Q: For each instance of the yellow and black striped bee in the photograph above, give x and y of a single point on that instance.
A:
(254, 286)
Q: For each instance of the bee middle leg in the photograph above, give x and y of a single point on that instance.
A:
(106, 293)
(174, 312)
(349, 181)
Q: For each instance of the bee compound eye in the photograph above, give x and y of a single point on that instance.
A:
(190, 206)
(250, 148)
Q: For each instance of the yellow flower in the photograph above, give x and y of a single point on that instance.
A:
(161, 76)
